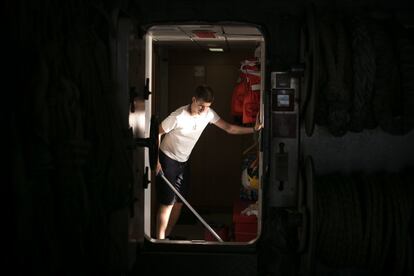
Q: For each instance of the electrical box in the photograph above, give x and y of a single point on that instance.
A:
(284, 138)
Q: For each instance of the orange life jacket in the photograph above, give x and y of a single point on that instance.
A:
(246, 94)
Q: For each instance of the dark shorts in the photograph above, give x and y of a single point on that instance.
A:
(178, 174)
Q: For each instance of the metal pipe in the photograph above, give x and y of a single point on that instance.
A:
(191, 208)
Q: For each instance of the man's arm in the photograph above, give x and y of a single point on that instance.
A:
(235, 129)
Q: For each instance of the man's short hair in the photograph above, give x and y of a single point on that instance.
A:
(205, 93)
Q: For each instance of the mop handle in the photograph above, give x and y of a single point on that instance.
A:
(191, 208)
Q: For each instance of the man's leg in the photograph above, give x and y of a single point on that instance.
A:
(175, 214)
(163, 217)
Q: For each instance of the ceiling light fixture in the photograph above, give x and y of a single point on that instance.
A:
(216, 49)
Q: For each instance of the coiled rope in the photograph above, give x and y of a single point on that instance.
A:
(362, 220)
(335, 90)
(388, 97)
(376, 89)
(364, 66)
(76, 169)
(310, 55)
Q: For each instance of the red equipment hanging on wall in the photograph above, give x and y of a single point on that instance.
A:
(246, 94)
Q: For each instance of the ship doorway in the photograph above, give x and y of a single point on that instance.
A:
(224, 190)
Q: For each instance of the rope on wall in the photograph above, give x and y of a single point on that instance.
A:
(309, 54)
(362, 221)
(363, 58)
(335, 90)
(388, 106)
(405, 50)
(76, 169)
(364, 76)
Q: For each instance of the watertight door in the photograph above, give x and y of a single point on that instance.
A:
(137, 87)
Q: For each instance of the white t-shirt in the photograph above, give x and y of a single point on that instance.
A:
(183, 130)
